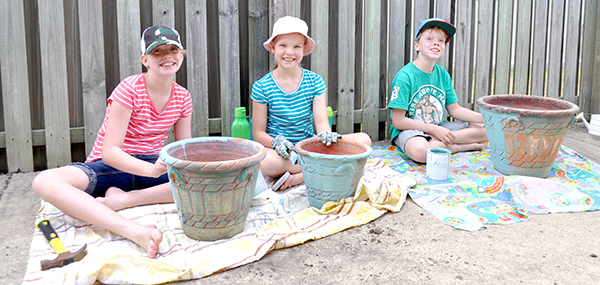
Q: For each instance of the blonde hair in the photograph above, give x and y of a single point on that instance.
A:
(437, 29)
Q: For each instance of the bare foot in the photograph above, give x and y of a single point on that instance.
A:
(294, 180)
(115, 199)
(146, 236)
(465, 147)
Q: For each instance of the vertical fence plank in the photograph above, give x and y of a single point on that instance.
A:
(15, 88)
(128, 23)
(92, 69)
(163, 12)
(372, 46)
(278, 9)
(483, 58)
(196, 60)
(229, 62)
(464, 68)
(421, 12)
(594, 106)
(319, 31)
(258, 31)
(538, 71)
(398, 35)
(503, 46)
(587, 66)
(522, 47)
(54, 83)
(572, 52)
(346, 42)
(443, 10)
(555, 41)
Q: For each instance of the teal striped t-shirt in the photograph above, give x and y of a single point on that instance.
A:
(289, 114)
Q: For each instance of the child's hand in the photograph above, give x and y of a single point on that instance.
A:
(158, 168)
(444, 135)
(282, 146)
(328, 137)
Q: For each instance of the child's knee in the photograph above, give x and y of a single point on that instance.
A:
(40, 182)
(365, 138)
(416, 152)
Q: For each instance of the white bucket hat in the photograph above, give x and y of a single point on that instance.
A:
(290, 25)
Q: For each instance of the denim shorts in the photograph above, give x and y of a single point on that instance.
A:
(401, 139)
(103, 177)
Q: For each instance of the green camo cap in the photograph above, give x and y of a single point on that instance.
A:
(159, 35)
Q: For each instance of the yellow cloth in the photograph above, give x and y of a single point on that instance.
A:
(276, 220)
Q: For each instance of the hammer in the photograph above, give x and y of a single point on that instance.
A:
(64, 256)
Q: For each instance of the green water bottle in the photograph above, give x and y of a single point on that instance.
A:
(330, 116)
(240, 127)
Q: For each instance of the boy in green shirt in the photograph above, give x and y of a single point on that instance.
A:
(421, 93)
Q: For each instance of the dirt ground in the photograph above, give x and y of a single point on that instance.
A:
(408, 247)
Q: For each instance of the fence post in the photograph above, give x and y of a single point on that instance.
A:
(15, 87)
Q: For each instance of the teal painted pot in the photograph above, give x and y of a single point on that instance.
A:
(331, 172)
(525, 132)
(213, 181)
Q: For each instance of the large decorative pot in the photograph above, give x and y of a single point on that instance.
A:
(525, 132)
(331, 172)
(213, 180)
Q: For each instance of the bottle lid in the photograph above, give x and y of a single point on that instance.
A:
(329, 111)
(240, 112)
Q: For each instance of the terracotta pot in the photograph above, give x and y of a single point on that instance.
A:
(525, 131)
(213, 181)
(331, 172)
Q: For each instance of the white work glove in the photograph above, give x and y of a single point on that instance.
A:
(328, 137)
(282, 146)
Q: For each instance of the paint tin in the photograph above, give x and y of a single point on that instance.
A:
(438, 163)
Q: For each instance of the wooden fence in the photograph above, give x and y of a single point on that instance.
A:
(60, 60)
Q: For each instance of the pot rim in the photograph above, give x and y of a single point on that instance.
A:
(234, 163)
(303, 152)
(569, 108)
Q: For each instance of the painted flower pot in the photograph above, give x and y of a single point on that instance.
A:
(331, 172)
(213, 181)
(525, 132)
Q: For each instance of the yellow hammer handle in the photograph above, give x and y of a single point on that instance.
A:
(51, 236)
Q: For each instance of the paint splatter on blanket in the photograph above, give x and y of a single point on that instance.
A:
(476, 195)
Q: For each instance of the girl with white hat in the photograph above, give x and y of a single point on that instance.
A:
(287, 100)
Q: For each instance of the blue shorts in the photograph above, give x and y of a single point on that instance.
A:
(401, 139)
(103, 177)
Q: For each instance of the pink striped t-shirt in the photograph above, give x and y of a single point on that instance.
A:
(148, 129)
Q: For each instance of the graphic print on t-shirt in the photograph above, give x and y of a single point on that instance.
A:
(427, 105)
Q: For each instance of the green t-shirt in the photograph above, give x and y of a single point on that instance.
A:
(423, 95)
